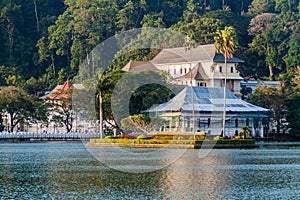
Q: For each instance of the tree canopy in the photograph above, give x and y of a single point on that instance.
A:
(44, 42)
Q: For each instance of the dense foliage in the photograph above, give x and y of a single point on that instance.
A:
(50, 38)
(44, 41)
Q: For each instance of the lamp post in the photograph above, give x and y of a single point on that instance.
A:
(189, 43)
(100, 115)
(193, 106)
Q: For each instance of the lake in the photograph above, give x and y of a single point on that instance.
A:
(61, 170)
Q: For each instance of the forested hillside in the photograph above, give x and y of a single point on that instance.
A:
(43, 43)
(47, 39)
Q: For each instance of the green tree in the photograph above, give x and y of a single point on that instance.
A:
(141, 122)
(10, 76)
(130, 15)
(293, 110)
(292, 58)
(225, 43)
(153, 20)
(35, 86)
(293, 114)
(138, 121)
(75, 33)
(8, 20)
(22, 23)
(105, 88)
(267, 41)
(201, 30)
(17, 104)
(239, 23)
(273, 98)
(245, 132)
(261, 6)
(61, 108)
(148, 95)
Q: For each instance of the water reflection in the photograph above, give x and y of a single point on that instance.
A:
(68, 171)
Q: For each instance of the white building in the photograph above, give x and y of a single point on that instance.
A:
(200, 109)
(200, 66)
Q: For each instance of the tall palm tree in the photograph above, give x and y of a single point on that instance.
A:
(225, 43)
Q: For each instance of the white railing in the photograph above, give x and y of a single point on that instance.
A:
(48, 135)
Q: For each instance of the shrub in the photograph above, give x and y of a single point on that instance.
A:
(218, 138)
(143, 137)
(164, 136)
(129, 136)
(179, 138)
(246, 141)
(237, 137)
(245, 132)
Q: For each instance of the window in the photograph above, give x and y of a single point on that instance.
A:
(247, 122)
(174, 71)
(180, 70)
(188, 123)
(201, 84)
(236, 123)
(231, 69)
(184, 70)
(220, 69)
(232, 85)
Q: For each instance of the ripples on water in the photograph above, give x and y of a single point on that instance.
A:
(68, 171)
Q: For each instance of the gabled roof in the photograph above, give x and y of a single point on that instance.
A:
(200, 53)
(197, 73)
(206, 99)
(62, 91)
(137, 66)
(66, 86)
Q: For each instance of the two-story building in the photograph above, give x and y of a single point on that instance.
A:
(199, 66)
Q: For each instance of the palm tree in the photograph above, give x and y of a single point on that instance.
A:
(225, 43)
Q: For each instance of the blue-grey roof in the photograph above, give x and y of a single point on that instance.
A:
(220, 58)
(206, 99)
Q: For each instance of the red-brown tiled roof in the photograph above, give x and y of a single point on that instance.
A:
(62, 92)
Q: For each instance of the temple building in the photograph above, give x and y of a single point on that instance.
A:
(200, 66)
(200, 109)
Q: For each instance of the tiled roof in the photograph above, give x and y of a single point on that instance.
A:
(62, 91)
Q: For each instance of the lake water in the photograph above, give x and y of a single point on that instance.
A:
(69, 171)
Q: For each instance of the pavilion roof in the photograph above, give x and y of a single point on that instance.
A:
(206, 99)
